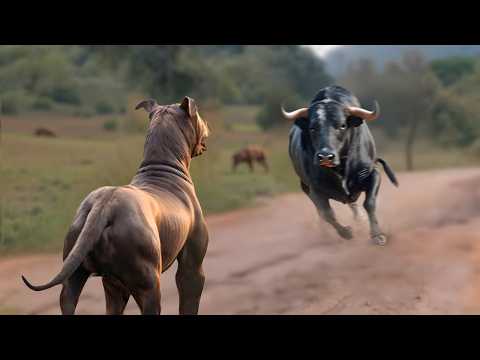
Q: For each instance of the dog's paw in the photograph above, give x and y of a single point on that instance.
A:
(346, 232)
(380, 240)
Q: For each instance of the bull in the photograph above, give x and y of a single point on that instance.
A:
(333, 153)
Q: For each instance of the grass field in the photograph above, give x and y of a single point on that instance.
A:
(43, 180)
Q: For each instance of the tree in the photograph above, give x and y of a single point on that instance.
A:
(451, 70)
(423, 92)
(406, 92)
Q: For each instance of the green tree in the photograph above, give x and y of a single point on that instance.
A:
(451, 70)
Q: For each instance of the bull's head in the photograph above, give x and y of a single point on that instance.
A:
(329, 123)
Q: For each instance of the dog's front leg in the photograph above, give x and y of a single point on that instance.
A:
(190, 277)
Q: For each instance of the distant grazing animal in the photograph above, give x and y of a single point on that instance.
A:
(249, 155)
(44, 132)
(333, 153)
(129, 235)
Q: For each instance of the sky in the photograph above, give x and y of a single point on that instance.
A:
(322, 50)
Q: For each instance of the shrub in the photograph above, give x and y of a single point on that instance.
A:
(13, 102)
(65, 94)
(110, 125)
(103, 107)
(84, 112)
(42, 104)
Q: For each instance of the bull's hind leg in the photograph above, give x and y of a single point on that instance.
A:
(116, 296)
(327, 213)
(189, 277)
(370, 206)
(71, 291)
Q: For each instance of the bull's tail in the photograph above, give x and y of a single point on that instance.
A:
(388, 171)
(92, 230)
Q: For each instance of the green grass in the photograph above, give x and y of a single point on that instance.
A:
(44, 180)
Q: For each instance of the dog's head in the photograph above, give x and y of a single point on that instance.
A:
(200, 126)
(179, 120)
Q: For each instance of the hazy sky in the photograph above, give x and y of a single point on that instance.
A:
(323, 49)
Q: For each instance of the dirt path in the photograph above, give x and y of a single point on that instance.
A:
(279, 258)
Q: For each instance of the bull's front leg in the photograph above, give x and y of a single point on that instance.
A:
(326, 212)
(370, 206)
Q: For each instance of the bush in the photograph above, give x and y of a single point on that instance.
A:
(64, 94)
(451, 70)
(270, 115)
(84, 112)
(103, 107)
(12, 103)
(110, 125)
(9, 106)
(42, 104)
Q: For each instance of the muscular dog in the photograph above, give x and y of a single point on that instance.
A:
(249, 155)
(129, 235)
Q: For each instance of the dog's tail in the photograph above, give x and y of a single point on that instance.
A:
(388, 171)
(94, 225)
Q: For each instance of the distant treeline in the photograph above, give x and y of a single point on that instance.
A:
(418, 96)
(438, 100)
(88, 79)
(338, 59)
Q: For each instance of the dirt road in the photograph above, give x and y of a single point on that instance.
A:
(279, 258)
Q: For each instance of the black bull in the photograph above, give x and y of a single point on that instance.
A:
(333, 153)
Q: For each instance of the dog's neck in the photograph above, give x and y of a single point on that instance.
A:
(167, 151)
(159, 168)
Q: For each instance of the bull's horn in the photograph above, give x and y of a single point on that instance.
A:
(294, 115)
(364, 114)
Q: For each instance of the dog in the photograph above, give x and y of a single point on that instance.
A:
(129, 235)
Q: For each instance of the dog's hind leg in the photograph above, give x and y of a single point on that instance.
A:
(71, 291)
(148, 297)
(116, 296)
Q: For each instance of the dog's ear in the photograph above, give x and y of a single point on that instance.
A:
(189, 106)
(148, 105)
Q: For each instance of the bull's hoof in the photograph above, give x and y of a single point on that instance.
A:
(380, 240)
(346, 232)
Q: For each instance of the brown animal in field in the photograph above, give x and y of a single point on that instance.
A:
(129, 235)
(249, 155)
(44, 132)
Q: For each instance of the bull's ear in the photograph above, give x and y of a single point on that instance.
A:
(189, 106)
(148, 105)
(354, 121)
(302, 123)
